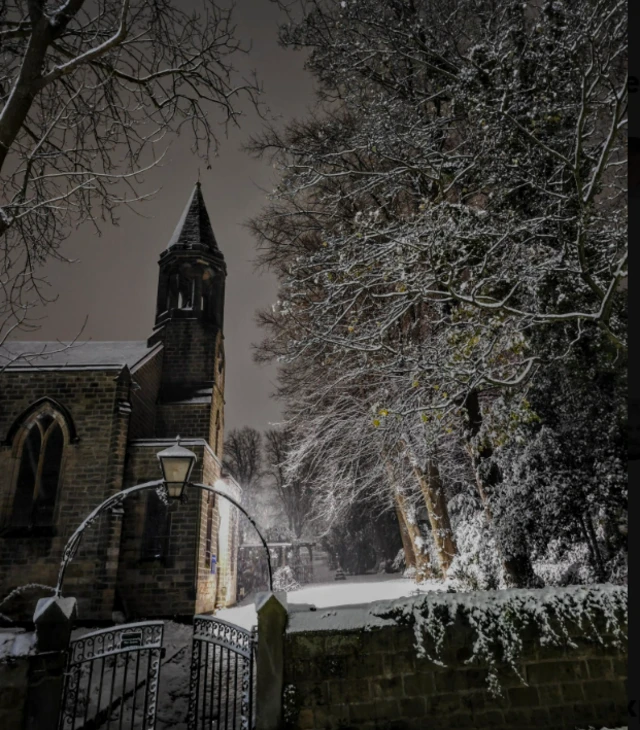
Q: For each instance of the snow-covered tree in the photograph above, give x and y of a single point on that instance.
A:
(449, 230)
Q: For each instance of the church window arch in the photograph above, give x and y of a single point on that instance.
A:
(39, 447)
(186, 293)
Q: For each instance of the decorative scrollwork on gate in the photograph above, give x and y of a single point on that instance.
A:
(107, 670)
(222, 632)
(222, 675)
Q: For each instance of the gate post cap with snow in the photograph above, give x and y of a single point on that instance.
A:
(54, 618)
(272, 622)
(264, 598)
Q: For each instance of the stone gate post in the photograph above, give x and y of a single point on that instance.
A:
(272, 622)
(53, 618)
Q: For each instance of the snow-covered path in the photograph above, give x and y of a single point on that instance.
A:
(355, 590)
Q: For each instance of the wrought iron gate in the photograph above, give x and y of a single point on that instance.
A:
(112, 677)
(221, 687)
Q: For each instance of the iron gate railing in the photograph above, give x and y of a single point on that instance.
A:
(112, 677)
(221, 687)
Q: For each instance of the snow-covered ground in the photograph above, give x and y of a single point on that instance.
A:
(356, 589)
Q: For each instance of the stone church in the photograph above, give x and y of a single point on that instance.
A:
(80, 423)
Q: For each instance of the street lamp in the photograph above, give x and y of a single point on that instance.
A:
(177, 464)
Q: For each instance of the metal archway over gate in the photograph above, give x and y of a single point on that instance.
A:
(113, 675)
(116, 500)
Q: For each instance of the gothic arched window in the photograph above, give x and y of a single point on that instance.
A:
(36, 488)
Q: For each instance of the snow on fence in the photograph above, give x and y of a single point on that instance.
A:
(553, 658)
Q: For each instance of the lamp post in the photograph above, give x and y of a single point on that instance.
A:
(177, 464)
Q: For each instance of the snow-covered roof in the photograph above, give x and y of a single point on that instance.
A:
(89, 355)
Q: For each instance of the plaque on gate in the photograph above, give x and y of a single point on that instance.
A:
(131, 639)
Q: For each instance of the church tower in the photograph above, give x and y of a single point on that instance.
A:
(77, 426)
(189, 323)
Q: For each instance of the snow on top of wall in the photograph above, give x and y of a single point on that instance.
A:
(386, 612)
(497, 619)
(526, 598)
(304, 618)
(15, 643)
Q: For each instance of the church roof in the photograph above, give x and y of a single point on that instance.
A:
(90, 355)
(194, 226)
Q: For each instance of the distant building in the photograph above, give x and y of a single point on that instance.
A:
(79, 424)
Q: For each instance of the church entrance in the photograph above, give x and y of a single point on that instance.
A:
(113, 678)
(113, 675)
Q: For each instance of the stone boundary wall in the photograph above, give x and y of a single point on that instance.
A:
(14, 685)
(340, 676)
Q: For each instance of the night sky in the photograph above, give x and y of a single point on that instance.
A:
(114, 279)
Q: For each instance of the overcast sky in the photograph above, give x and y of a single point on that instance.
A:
(114, 279)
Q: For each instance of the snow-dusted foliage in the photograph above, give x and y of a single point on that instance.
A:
(290, 703)
(499, 618)
(476, 567)
(399, 562)
(284, 580)
(449, 235)
(20, 591)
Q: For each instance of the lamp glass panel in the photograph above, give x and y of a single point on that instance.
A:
(174, 488)
(176, 469)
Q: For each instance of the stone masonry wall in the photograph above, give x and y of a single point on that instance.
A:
(95, 400)
(228, 534)
(207, 581)
(189, 420)
(144, 399)
(142, 583)
(354, 679)
(189, 351)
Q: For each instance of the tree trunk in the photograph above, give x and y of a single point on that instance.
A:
(433, 493)
(407, 547)
(516, 563)
(592, 543)
(421, 556)
(416, 551)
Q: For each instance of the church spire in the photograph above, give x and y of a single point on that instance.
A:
(192, 272)
(194, 227)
